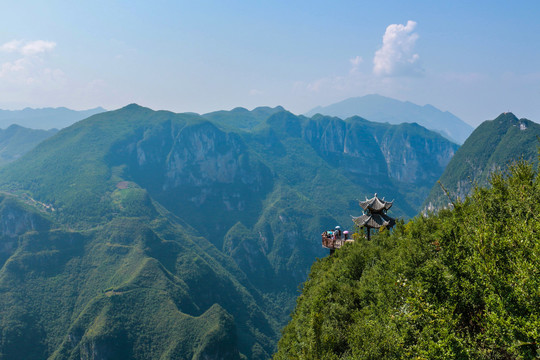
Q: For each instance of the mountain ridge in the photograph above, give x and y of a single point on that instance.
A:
(492, 146)
(16, 140)
(383, 109)
(45, 118)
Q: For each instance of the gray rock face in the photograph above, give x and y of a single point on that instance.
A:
(15, 221)
(210, 153)
(414, 159)
(197, 170)
(199, 157)
(406, 153)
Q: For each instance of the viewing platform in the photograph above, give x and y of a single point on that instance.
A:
(332, 243)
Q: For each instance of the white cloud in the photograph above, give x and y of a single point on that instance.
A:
(37, 47)
(27, 73)
(11, 46)
(29, 47)
(12, 67)
(396, 57)
(355, 63)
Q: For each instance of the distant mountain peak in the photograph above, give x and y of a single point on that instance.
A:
(507, 116)
(133, 106)
(240, 109)
(275, 109)
(243, 118)
(382, 109)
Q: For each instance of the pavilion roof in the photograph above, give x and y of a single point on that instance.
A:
(376, 220)
(375, 204)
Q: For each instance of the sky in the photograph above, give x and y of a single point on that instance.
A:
(475, 59)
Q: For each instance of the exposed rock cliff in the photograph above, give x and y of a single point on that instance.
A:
(406, 153)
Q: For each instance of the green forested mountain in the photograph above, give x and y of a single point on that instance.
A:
(16, 141)
(492, 146)
(386, 110)
(148, 234)
(462, 284)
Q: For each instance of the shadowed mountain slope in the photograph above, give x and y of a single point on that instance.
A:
(16, 141)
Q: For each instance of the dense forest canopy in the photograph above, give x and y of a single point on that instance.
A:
(460, 284)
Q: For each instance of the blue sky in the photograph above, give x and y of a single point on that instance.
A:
(474, 59)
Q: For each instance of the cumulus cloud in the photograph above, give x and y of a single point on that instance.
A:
(37, 47)
(396, 57)
(25, 69)
(29, 47)
(27, 65)
(11, 46)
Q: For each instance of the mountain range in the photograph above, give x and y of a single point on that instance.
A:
(492, 146)
(138, 233)
(383, 109)
(45, 118)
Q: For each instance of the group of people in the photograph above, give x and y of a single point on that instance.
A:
(337, 234)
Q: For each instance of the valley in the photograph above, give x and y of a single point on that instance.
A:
(217, 219)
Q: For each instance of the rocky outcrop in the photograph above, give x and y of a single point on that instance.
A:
(413, 156)
(196, 170)
(15, 220)
(407, 153)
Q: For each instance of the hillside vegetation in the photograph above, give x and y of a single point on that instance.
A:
(492, 146)
(462, 284)
(15, 141)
